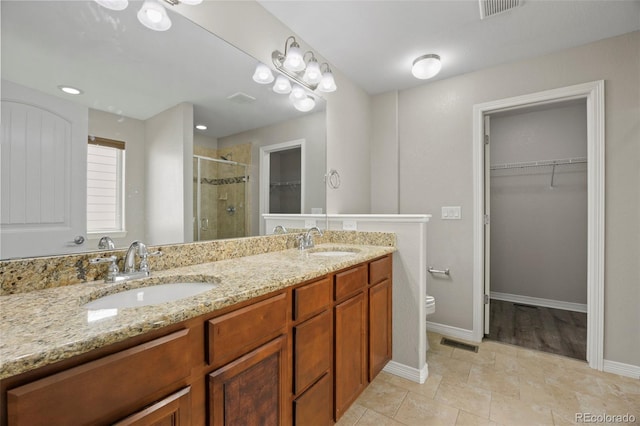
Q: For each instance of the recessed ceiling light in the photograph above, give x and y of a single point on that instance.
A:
(201, 127)
(70, 90)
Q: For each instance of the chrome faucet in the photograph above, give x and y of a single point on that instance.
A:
(130, 258)
(279, 229)
(130, 272)
(306, 240)
(106, 243)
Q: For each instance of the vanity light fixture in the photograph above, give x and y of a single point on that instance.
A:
(263, 74)
(152, 14)
(303, 72)
(304, 69)
(70, 90)
(282, 85)
(426, 66)
(114, 4)
(305, 104)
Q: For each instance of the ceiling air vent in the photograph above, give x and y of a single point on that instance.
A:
(494, 7)
(241, 98)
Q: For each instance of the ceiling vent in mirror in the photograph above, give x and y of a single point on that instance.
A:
(241, 98)
(494, 7)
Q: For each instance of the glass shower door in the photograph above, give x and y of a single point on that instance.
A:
(220, 196)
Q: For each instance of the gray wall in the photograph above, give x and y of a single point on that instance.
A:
(312, 128)
(132, 132)
(539, 232)
(435, 169)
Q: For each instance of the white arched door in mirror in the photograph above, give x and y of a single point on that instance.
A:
(44, 152)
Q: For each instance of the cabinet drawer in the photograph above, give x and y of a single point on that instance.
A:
(311, 298)
(238, 332)
(103, 390)
(172, 410)
(350, 281)
(380, 270)
(312, 353)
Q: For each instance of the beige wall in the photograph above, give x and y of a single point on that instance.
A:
(435, 136)
(539, 232)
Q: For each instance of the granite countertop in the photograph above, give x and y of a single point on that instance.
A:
(45, 326)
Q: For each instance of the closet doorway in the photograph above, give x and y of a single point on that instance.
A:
(593, 94)
(536, 236)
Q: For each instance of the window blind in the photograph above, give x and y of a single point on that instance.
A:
(105, 185)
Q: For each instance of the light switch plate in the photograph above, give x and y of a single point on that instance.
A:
(451, 213)
(349, 225)
(309, 223)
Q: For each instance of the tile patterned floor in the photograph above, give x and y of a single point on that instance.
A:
(499, 385)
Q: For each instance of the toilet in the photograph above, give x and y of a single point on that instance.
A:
(430, 305)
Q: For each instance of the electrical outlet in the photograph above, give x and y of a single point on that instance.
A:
(309, 223)
(349, 225)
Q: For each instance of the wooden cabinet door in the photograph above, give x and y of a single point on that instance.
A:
(250, 390)
(314, 406)
(350, 351)
(174, 410)
(379, 327)
(312, 350)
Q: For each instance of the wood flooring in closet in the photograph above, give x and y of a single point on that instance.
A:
(545, 329)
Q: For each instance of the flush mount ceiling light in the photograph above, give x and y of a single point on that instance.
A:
(426, 66)
(70, 90)
(201, 127)
(152, 14)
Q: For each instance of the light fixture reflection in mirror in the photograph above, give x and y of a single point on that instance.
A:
(306, 104)
(122, 106)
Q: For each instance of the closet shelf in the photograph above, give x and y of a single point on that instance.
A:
(542, 163)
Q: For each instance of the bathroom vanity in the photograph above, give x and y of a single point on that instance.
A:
(295, 343)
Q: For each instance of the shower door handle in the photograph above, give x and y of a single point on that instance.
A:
(204, 224)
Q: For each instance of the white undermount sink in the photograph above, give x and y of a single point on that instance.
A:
(333, 252)
(152, 295)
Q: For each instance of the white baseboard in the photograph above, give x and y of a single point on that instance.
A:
(450, 331)
(622, 369)
(406, 372)
(538, 301)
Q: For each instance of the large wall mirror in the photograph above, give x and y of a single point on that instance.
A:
(63, 155)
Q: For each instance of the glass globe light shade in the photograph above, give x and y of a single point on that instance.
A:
(282, 85)
(154, 16)
(426, 66)
(327, 83)
(294, 60)
(263, 74)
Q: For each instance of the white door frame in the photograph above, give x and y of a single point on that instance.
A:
(265, 152)
(593, 92)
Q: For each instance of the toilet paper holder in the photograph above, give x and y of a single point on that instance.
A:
(432, 270)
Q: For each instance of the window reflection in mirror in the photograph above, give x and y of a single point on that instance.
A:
(130, 75)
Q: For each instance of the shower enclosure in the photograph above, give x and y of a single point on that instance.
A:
(219, 199)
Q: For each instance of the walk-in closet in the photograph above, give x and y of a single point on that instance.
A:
(537, 205)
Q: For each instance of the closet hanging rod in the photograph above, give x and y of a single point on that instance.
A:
(542, 163)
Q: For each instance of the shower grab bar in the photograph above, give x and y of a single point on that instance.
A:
(432, 270)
